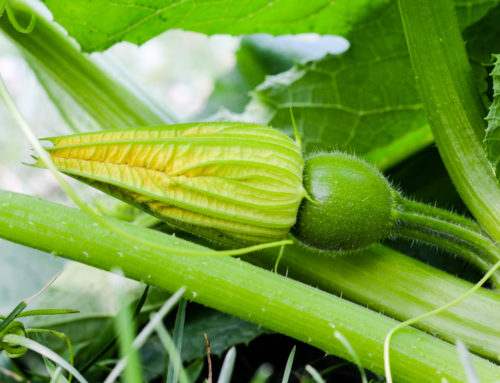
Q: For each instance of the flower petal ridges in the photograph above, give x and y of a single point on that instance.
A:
(236, 180)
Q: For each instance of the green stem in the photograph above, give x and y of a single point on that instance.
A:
(110, 103)
(441, 214)
(446, 230)
(452, 104)
(238, 288)
(420, 234)
(409, 322)
(401, 287)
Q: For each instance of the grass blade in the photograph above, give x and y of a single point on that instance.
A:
(262, 374)
(352, 352)
(315, 374)
(146, 332)
(180, 318)
(173, 354)
(46, 352)
(288, 367)
(226, 371)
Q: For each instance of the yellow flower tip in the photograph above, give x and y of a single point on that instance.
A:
(233, 180)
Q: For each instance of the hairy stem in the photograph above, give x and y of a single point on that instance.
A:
(420, 234)
(448, 231)
(238, 288)
(441, 214)
(452, 104)
(400, 287)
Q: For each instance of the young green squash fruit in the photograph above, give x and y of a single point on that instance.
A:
(351, 206)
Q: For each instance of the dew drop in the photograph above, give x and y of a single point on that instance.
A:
(149, 276)
(120, 254)
(85, 253)
(263, 309)
(332, 325)
(194, 294)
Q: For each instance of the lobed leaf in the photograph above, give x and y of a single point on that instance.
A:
(365, 100)
(492, 139)
(361, 101)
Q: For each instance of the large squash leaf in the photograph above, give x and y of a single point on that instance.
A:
(98, 24)
(492, 139)
(363, 101)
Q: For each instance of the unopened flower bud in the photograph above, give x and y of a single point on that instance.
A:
(232, 180)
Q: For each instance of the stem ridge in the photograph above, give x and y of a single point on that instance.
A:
(446, 230)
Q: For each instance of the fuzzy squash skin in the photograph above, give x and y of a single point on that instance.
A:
(352, 204)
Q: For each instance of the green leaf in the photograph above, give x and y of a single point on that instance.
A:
(223, 332)
(262, 55)
(363, 101)
(492, 139)
(98, 24)
(483, 37)
(483, 40)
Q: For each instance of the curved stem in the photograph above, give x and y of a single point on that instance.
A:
(450, 246)
(446, 230)
(452, 104)
(438, 213)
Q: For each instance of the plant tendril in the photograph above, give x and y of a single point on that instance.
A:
(390, 334)
(6, 7)
(280, 255)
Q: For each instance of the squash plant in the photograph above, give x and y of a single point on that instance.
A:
(364, 101)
